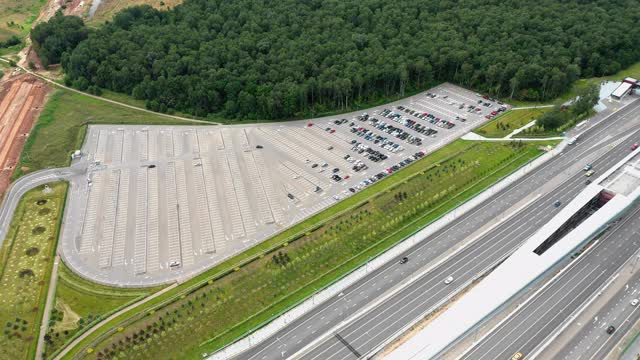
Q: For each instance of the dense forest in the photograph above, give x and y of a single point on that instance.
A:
(56, 36)
(286, 58)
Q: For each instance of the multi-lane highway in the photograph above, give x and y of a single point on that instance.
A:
(559, 179)
(585, 336)
(529, 326)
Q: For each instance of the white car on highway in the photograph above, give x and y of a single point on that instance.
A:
(448, 280)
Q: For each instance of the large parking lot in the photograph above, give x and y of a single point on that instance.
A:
(164, 202)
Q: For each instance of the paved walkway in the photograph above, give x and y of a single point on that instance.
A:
(113, 316)
(532, 107)
(475, 137)
(47, 307)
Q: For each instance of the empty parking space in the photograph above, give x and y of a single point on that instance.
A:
(153, 236)
(173, 217)
(231, 198)
(166, 202)
(140, 241)
(142, 141)
(121, 219)
(184, 215)
(110, 208)
(90, 218)
(264, 210)
(204, 211)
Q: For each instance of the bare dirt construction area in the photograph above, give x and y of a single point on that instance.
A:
(22, 100)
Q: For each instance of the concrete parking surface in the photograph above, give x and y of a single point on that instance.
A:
(161, 203)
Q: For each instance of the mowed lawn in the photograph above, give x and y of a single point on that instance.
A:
(309, 257)
(26, 259)
(504, 124)
(61, 127)
(80, 304)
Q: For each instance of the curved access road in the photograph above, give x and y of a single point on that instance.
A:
(26, 183)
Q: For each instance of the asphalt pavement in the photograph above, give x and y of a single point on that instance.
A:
(24, 184)
(558, 179)
(585, 337)
(528, 327)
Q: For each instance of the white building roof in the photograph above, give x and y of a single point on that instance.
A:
(621, 90)
(520, 269)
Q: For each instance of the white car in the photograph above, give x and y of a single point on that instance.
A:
(635, 302)
(448, 280)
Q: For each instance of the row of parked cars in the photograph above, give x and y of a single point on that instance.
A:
(366, 182)
(495, 113)
(406, 162)
(411, 124)
(373, 155)
(445, 124)
(392, 130)
(377, 139)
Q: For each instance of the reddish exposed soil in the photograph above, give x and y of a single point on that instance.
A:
(21, 100)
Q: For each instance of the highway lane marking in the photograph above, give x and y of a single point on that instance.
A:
(527, 301)
(588, 302)
(585, 337)
(558, 314)
(433, 267)
(423, 244)
(610, 338)
(523, 306)
(513, 224)
(503, 193)
(420, 289)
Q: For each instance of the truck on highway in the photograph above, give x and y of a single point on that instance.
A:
(574, 140)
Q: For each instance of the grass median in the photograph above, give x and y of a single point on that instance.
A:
(235, 297)
(26, 259)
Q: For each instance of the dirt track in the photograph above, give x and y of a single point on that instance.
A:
(22, 98)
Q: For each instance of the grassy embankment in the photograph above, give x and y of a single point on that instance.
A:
(26, 258)
(80, 304)
(504, 124)
(233, 298)
(61, 127)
